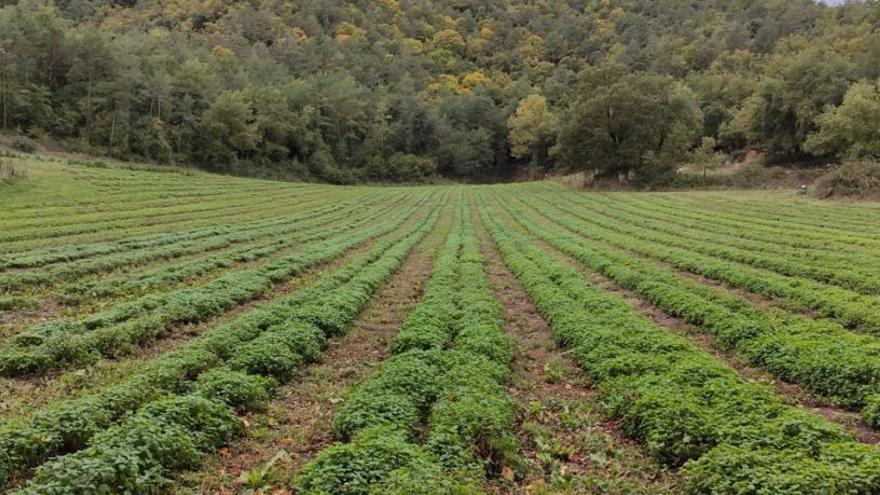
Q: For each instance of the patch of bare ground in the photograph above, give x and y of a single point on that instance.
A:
(21, 396)
(790, 392)
(567, 443)
(296, 425)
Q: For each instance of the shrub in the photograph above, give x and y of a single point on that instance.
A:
(24, 144)
(855, 180)
(11, 172)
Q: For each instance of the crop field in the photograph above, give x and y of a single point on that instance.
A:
(170, 331)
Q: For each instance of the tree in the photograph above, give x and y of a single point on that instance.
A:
(230, 128)
(532, 130)
(624, 123)
(851, 130)
(783, 111)
(705, 156)
(472, 135)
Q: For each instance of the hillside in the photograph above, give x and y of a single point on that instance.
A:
(347, 91)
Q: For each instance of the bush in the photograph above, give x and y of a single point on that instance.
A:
(854, 180)
(407, 167)
(24, 144)
(10, 171)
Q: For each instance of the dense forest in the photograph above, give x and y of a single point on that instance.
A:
(345, 91)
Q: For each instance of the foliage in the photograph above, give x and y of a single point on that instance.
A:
(11, 172)
(351, 91)
(624, 124)
(688, 409)
(24, 144)
(849, 130)
(855, 179)
(532, 131)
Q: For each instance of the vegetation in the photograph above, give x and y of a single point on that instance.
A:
(398, 90)
(731, 338)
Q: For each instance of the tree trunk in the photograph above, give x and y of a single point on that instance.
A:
(112, 125)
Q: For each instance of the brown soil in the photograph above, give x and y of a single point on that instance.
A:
(566, 442)
(296, 425)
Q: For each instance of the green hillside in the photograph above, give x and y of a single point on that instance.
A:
(347, 91)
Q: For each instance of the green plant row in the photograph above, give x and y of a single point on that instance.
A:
(103, 222)
(435, 418)
(165, 275)
(821, 356)
(138, 192)
(149, 207)
(130, 200)
(791, 261)
(223, 238)
(274, 339)
(848, 308)
(69, 252)
(59, 238)
(686, 408)
(793, 237)
(846, 274)
(804, 213)
(806, 234)
(854, 222)
(118, 331)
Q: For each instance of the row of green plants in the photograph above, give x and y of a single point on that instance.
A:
(234, 365)
(224, 238)
(806, 213)
(129, 200)
(49, 239)
(853, 270)
(782, 239)
(792, 236)
(49, 251)
(687, 409)
(850, 309)
(125, 327)
(821, 356)
(849, 274)
(17, 229)
(810, 235)
(435, 418)
(167, 275)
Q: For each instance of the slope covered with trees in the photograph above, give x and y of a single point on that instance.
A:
(399, 89)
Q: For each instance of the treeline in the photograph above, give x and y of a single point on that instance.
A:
(401, 89)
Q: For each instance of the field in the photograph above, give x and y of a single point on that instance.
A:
(171, 331)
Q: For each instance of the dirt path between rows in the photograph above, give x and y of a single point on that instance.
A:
(296, 425)
(567, 444)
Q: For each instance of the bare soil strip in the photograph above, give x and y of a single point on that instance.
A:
(567, 444)
(296, 425)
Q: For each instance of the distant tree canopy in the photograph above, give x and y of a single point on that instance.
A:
(347, 91)
(624, 123)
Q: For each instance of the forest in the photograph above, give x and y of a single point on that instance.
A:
(400, 90)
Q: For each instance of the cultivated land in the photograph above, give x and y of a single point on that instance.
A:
(175, 331)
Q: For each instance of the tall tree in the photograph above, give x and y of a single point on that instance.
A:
(624, 123)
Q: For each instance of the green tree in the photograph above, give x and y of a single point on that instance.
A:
(624, 123)
(230, 127)
(705, 156)
(851, 130)
(783, 111)
(532, 130)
